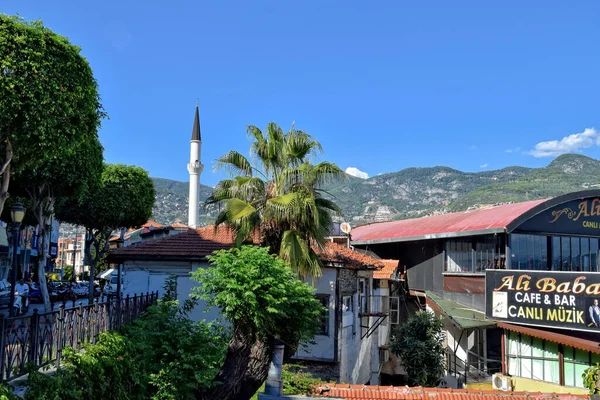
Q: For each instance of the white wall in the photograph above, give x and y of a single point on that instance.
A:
(150, 276)
(323, 346)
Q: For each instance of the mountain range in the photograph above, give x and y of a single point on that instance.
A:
(415, 192)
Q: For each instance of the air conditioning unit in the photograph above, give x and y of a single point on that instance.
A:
(501, 382)
(384, 355)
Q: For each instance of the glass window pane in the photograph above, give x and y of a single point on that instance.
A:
(585, 254)
(525, 346)
(543, 240)
(566, 254)
(556, 253)
(551, 371)
(513, 344)
(569, 374)
(568, 353)
(551, 350)
(537, 347)
(537, 371)
(575, 254)
(513, 367)
(579, 371)
(530, 252)
(594, 254)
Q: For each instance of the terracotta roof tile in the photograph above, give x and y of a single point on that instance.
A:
(388, 269)
(201, 242)
(336, 253)
(351, 392)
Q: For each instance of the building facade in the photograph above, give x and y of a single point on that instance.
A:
(518, 286)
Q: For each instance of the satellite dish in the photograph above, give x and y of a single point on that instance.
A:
(345, 227)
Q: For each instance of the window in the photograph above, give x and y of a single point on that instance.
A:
(362, 293)
(576, 362)
(529, 252)
(475, 254)
(324, 327)
(394, 310)
(574, 254)
(532, 358)
(347, 304)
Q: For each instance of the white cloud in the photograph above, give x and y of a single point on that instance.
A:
(483, 166)
(356, 172)
(515, 150)
(569, 144)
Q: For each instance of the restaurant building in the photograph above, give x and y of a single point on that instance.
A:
(517, 284)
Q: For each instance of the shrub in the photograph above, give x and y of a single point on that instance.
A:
(419, 344)
(591, 379)
(296, 381)
(162, 355)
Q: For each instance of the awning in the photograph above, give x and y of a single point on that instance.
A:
(106, 274)
(553, 336)
(463, 317)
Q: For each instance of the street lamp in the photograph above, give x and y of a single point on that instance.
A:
(17, 213)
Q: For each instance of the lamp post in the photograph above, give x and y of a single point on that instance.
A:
(74, 255)
(17, 212)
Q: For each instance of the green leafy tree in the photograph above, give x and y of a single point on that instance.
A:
(280, 198)
(50, 112)
(123, 198)
(419, 344)
(263, 300)
(48, 98)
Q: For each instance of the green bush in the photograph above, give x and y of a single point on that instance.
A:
(297, 381)
(419, 345)
(591, 379)
(6, 392)
(163, 355)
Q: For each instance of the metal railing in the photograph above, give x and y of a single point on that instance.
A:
(476, 369)
(372, 305)
(39, 339)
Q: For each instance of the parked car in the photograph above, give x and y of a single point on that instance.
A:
(111, 286)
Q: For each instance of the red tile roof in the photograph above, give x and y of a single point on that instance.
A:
(336, 253)
(351, 392)
(201, 242)
(497, 217)
(388, 269)
(195, 244)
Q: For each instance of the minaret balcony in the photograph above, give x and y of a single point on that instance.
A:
(195, 168)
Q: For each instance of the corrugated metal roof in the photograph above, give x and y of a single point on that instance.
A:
(493, 219)
(463, 317)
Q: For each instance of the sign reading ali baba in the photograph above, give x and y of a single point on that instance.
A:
(567, 300)
(578, 217)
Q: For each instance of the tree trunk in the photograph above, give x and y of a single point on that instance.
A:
(41, 270)
(90, 239)
(245, 368)
(5, 171)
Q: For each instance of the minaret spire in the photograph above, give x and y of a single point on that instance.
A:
(195, 169)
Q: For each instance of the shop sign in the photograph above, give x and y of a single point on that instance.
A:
(567, 300)
(578, 217)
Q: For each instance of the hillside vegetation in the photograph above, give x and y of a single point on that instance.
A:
(414, 192)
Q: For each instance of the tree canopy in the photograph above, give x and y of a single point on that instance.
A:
(49, 102)
(419, 344)
(281, 197)
(123, 197)
(263, 300)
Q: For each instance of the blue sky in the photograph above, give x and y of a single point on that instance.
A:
(384, 85)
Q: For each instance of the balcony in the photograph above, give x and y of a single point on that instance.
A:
(374, 305)
(374, 309)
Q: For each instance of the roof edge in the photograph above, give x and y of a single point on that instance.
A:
(444, 235)
(549, 204)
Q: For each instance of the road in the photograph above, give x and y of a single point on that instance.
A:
(40, 307)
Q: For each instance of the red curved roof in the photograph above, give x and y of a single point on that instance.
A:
(493, 219)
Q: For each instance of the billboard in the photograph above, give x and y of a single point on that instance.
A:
(553, 299)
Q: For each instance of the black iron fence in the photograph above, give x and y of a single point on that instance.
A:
(39, 339)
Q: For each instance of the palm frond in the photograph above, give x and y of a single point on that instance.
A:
(237, 210)
(235, 162)
(296, 251)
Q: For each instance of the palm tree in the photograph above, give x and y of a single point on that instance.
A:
(280, 198)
